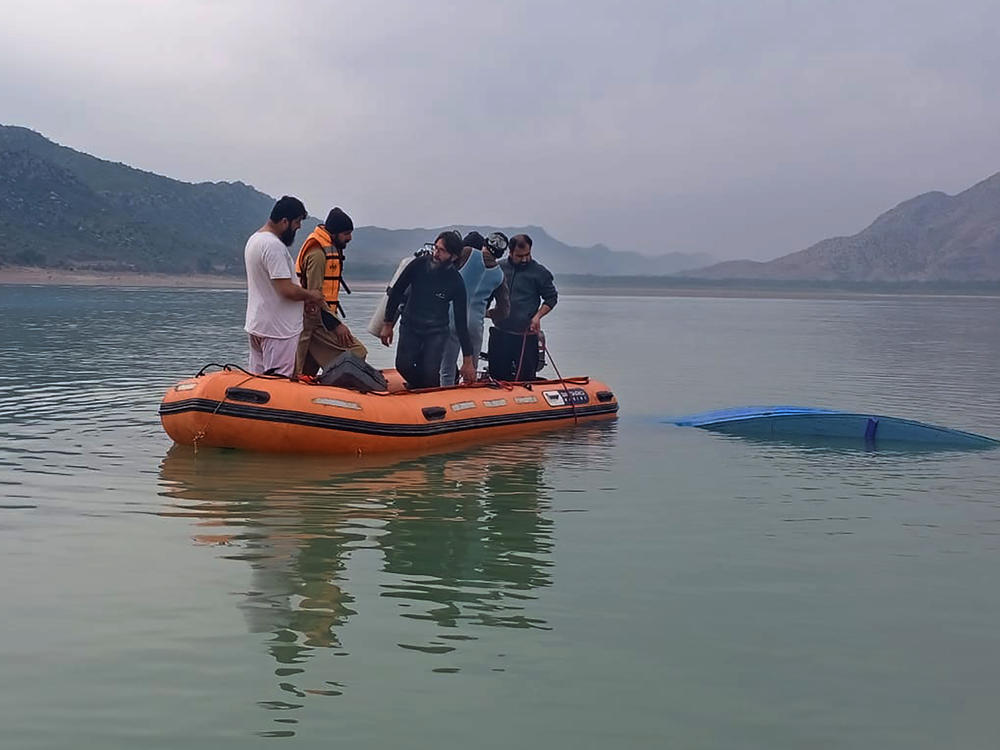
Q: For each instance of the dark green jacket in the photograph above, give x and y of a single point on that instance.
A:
(529, 285)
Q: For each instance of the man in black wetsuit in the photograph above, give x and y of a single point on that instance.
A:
(513, 345)
(433, 284)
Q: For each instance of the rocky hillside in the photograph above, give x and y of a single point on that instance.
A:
(933, 237)
(63, 208)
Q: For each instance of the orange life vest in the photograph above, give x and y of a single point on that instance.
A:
(332, 275)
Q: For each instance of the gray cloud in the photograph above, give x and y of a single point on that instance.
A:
(741, 129)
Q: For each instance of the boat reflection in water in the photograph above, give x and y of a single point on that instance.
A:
(451, 543)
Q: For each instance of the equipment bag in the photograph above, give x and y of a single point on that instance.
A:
(349, 371)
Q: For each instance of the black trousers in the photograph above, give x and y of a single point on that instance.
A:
(418, 356)
(512, 356)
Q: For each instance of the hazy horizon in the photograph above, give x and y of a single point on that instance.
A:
(747, 131)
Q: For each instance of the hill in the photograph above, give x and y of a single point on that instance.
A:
(377, 246)
(62, 208)
(66, 209)
(934, 237)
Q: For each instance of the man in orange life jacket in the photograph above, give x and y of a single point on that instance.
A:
(320, 266)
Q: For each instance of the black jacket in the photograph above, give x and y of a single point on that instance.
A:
(529, 285)
(431, 291)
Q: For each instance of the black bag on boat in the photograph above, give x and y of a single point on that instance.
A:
(349, 371)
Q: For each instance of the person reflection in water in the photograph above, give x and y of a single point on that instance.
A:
(470, 526)
(480, 533)
(294, 542)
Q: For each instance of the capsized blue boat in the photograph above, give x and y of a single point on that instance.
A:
(807, 422)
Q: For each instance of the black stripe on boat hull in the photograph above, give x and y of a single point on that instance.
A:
(306, 419)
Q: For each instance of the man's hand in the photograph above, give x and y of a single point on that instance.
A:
(467, 370)
(385, 335)
(342, 336)
(312, 305)
(289, 290)
(535, 326)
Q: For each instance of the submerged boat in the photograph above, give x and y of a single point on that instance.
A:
(827, 424)
(231, 408)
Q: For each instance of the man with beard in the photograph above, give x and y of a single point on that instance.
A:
(274, 298)
(513, 346)
(320, 266)
(434, 285)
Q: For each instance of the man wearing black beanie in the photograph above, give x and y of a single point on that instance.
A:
(337, 221)
(320, 266)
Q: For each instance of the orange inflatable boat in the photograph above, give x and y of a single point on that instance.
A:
(234, 409)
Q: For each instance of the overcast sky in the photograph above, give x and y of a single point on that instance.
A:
(742, 129)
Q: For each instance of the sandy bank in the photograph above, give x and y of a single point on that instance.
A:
(28, 275)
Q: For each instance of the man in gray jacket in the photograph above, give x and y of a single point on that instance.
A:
(513, 347)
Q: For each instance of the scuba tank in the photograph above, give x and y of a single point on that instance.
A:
(378, 317)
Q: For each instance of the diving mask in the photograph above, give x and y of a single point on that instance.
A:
(496, 242)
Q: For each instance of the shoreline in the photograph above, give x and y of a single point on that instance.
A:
(30, 276)
(24, 275)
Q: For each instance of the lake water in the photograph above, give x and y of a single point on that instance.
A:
(632, 584)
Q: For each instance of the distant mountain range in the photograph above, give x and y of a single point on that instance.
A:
(375, 245)
(934, 237)
(64, 208)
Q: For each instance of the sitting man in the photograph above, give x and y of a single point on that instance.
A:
(320, 266)
(483, 279)
(434, 286)
(513, 347)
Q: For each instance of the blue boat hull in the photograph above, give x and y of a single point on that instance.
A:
(803, 422)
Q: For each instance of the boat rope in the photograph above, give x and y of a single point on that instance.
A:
(263, 375)
(229, 367)
(249, 376)
(520, 361)
(562, 381)
(210, 364)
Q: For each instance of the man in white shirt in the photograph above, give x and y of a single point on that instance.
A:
(274, 297)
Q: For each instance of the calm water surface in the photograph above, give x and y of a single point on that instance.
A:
(633, 584)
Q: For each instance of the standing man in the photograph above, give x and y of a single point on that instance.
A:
(513, 347)
(434, 286)
(478, 266)
(320, 267)
(274, 298)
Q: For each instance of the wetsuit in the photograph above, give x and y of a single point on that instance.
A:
(481, 285)
(424, 327)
